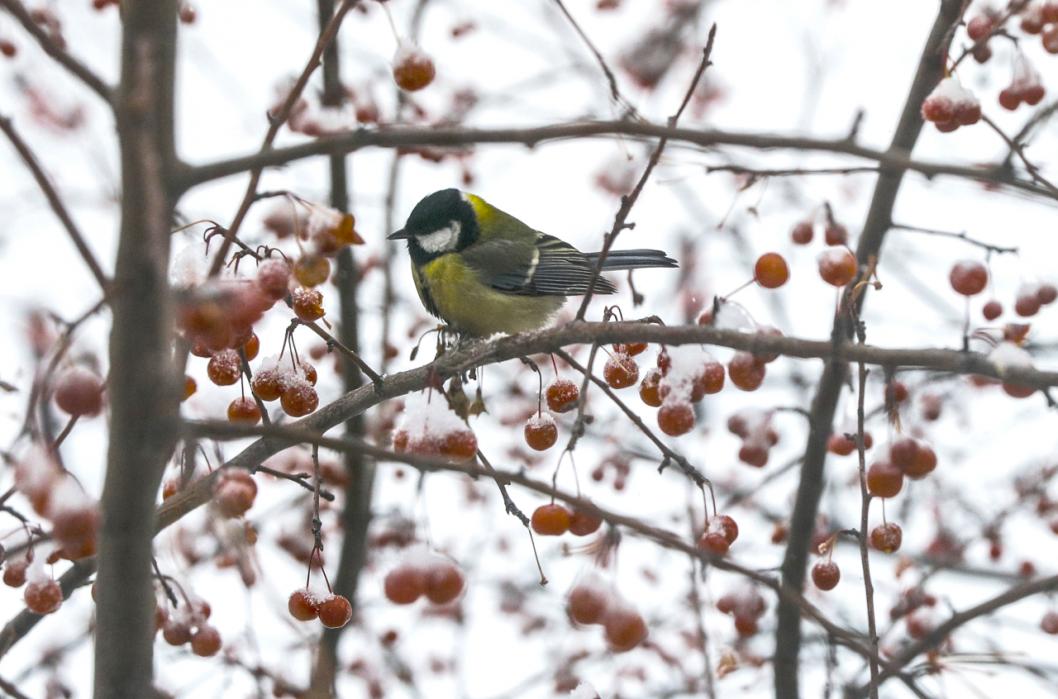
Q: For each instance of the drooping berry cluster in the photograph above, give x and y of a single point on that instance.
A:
(429, 428)
(424, 574)
(333, 611)
(591, 601)
(746, 606)
(556, 520)
(950, 105)
(758, 436)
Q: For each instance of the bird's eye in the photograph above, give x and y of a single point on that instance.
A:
(441, 240)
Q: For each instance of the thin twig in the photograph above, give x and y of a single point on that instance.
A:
(629, 200)
(961, 235)
(55, 201)
(865, 507)
(611, 79)
(334, 342)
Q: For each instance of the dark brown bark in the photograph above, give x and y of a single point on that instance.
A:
(142, 389)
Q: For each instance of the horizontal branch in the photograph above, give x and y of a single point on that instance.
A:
(396, 137)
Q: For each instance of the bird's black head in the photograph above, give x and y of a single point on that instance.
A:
(441, 223)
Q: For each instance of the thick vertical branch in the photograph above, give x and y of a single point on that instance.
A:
(878, 221)
(143, 389)
(356, 512)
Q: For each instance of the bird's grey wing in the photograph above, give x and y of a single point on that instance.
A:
(552, 267)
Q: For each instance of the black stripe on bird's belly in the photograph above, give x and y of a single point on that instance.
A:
(424, 294)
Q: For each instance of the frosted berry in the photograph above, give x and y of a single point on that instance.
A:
(335, 612)
(43, 596)
(541, 433)
(648, 388)
(562, 395)
(676, 418)
(620, 371)
(303, 605)
(266, 384)
(968, 277)
(299, 398)
(746, 371)
(224, 367)
(205, 641)
(308, 304)
(837, 266)
(802, 233)
(412, 69)
(273, 278)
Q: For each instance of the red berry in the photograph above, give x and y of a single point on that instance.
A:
(404, 584)
(924, 463)
(676, 418)
(15, 573)
(205, 641)
(711, 380)
(1049, 39)
(648, 388)
(841, 445)
(884, 480)
(267, 384)
(1009, 98)
(620, 371)
(412, 69)
(443, 583)
(902, 452)
(714, 542)
(7, 48)
(299, 398)
(303, 605)
(1049, 623)
(43, 596)
(630, 348)
(979, 27)
(562, 395)
(825, 575)
(886, 537)
(1046, 293)
(746, 371)
(273, 278)
(837, 266)
(836, 234)
(176, 633)
(541, 433)
(586, 604)
(625, 629)
(551, 520)
(968, 277)
(79, 391)
(1027, 304)
(335, 612)
(771, 271)
(992, 310)
(1032, 94)
(461, 445)
(308, 304)
(938, 109)
(224, 367)
(967, 113)
(802, 233)
(234, 492)
(754, 454)
(582, 524)
(244, 410)
(746, 626)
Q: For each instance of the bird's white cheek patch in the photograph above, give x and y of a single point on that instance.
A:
(441, 240)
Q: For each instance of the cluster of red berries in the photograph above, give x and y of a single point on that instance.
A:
(1024, 88)
(591, 602)
(293, 385)
(950, 105)
(720, 532)
(333, 611)
(1042, 18)
(845, 444)
(429, 428)
(906, 457)
(834, 233)
(747, 606)
(413, 69)
(234, 492)
(189, 624)
(683, 377)
(758, 436)
(555, 520)
(427, 575)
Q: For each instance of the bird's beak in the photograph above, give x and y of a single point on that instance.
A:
(399, 235)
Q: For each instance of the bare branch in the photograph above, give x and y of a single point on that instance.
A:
(54, 200)
(60, 54)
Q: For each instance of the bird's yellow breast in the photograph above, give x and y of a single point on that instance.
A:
(452, 291)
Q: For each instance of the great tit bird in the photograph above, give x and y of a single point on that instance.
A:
(482, 271)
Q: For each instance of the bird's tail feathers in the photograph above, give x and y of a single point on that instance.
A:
(633, 259)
